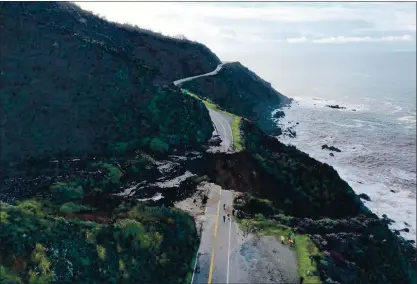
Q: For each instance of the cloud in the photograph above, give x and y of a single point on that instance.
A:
(344, 39)
(297, 40)
(223, 26)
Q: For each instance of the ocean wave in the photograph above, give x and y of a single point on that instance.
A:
(374, 154)
(397, 109)
(408, 119)
(409, 176)
(356, 125)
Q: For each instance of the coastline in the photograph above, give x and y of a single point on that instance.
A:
(397, 205)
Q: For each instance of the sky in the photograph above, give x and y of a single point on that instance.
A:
(272, 27)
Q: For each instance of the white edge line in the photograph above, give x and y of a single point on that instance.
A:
(237, 241)
(195, 265)
(228, 125)
(219, 119)
(228, 251)
(231, 132)
(196, 256)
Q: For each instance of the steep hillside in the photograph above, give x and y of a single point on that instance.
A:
(302, 186)
(74, 84)
(309, 197)
(240, 91)
(86, 109)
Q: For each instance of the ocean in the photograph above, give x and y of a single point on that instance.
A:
(376, 133)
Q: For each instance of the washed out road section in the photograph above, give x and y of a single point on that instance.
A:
(228, 255)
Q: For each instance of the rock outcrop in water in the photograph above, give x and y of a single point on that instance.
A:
(330, 148)
(279, 114)
(364, 197)
(336, 106)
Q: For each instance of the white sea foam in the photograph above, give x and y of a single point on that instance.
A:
(373, 159)
(408, 119)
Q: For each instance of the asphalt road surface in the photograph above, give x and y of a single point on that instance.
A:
(223, 126)
(213, 260)
(222, 122)
(180, 81)
(227, 255)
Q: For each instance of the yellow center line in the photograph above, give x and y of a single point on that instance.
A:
(214, 243)
(211, 266)
(217, 220)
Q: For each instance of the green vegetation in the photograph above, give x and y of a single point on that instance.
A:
(8, 277)
(238, 143)
(207, 102)
(159, 146)
(80, 232)
(42, 272)
(304, 246)
(238, 90)
(30, 207)
(352, 249)
(71, 207)
(66, 192)
(109, 90)
(299, 185)
(149, 244)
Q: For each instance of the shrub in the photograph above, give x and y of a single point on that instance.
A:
(31, 206)
(107, 178)
(71, 207)
(66, 192)
(8, 277)
(3, 217)
(101, 252)
(159, 146)
(42, 273)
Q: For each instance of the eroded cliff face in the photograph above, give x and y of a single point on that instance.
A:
(73, 84)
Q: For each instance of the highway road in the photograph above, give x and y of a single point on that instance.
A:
(227, 255)
(214, 72)
(213, 260)
(222, 122)
(223, 127)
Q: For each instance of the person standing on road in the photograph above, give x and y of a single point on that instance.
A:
(282, 239)
(224, 206)
(224, 218)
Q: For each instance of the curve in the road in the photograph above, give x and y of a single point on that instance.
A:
(214, 72)
(215, 116)
(227, 123)
(227, 136)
